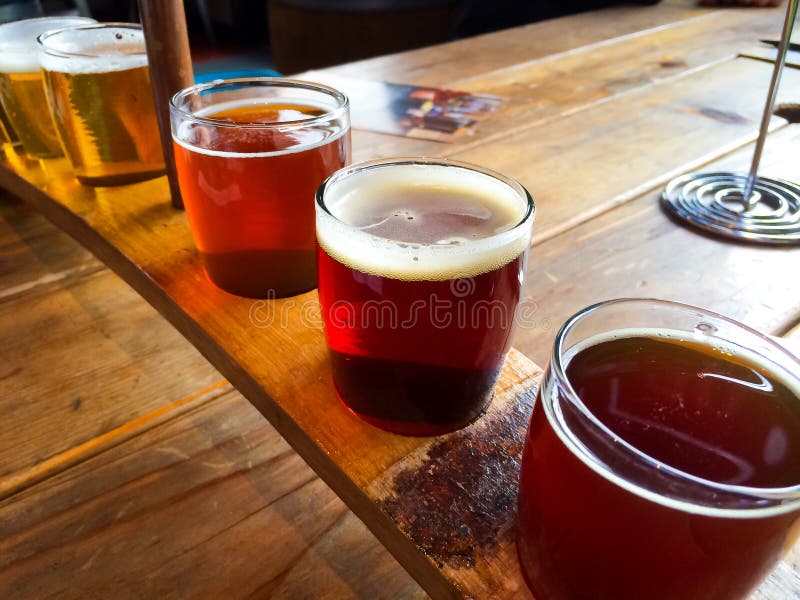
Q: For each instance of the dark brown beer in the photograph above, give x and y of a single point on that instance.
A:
(687, 404)
(418, 319)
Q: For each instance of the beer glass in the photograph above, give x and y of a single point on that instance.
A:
(420, 267)
(21, 90)
(98, 88)
(662, 459)
(250, 154)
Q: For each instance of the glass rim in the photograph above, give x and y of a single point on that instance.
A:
(343, 102)
(43, 37)
(368, 165)
(789, 494)
(25, 45)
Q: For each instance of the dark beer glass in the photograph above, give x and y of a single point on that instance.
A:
(420, 266)
(250, 153)
(662, 459)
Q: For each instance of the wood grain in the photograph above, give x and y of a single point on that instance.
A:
(33, 252)
(475, 56)
(579, 166)
(214, 504)
(584, 164)
(339, 440)
(551, 85)
(82, 479)
(637, 251)
(233, 332)
(66, 318)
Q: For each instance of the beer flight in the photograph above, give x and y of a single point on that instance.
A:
(663, 454)
(72, 87)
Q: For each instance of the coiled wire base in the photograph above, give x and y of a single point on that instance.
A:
(715, 202)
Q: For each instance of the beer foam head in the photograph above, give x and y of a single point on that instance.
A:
(204, 139)
(258, 117)
(18, 41)
(93, 49)
(416, 219)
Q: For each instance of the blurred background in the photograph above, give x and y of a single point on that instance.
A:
(290, 36)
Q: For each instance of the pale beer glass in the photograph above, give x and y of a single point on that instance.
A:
(21, 91)
(98, 87)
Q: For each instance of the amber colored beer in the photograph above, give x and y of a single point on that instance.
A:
(98, 86)
(249, 190)
(21, 87)
(600, 521)
(7, 134)
(420, 267)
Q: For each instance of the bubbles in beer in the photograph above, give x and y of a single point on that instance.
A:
(101, 99)
(243, 141)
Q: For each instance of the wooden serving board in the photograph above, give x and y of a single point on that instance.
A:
(445, 507)
(82, 357)
(116, 441)
(274, 353)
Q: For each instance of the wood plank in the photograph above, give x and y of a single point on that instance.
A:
(82, 354)
(150, 246)
(245, 518)
(552, 86)
(255, 344)
(547, 87)
(328, 565)
(636, 250)
(584, 164)
(379, 475)
(214, 504)
(33, 252)
(485, 53)
(350, 455)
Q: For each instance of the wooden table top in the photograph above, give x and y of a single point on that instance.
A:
(132, 465)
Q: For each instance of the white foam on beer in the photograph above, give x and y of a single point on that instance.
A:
(18, 41)
(94, 50)
(307, 138)
(368, 253)
(786, 372)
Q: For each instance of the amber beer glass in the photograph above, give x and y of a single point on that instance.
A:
(250, 154)
(420, 266)
(98, 87)
(662, 459)
(21, 89)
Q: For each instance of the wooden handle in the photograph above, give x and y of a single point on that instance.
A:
(167, 40)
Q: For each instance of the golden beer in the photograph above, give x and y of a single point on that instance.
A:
(98, 87)
(21, 89)
(7, 135)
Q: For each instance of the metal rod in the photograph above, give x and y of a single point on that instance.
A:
(780, 60)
